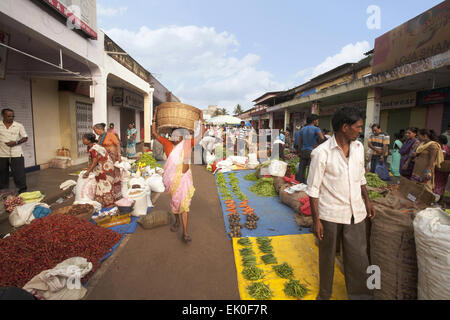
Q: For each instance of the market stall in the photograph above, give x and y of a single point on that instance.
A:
(45, 244)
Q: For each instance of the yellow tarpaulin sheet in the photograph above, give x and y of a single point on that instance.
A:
(301, 253)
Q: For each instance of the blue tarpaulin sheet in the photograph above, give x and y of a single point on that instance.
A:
(275, 218)
(123, 230)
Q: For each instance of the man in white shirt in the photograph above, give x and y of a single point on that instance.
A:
(340, 204)
(12, 135)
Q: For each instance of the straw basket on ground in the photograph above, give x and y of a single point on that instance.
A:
(172, 115)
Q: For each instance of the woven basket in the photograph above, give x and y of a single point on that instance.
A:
(172, 115)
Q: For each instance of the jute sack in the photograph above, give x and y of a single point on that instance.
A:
(278, 183)
(261, 172)
(303, 221)
(291, 200)
(392, 247)
(156, 218)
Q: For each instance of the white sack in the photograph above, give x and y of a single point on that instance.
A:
(432, 237)
(62, 282)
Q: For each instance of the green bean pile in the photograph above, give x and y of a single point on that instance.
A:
(253, 273)
(264, 188)
(260, 291)
(284, 271)
(295, 289)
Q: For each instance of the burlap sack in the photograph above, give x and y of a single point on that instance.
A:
(156, 218)
(392, 247)
(278, 183)
(291, 200)
(303, 221)
(261, 172)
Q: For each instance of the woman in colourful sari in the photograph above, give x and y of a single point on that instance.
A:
(428, 157)
(441, 178)
(396, 156)
(177, 176)
(406, 151)
(110, 142)
(131, 140)
(101, 165)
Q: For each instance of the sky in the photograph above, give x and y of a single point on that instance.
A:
(224, 53)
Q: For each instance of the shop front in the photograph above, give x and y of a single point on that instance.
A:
(437, 103)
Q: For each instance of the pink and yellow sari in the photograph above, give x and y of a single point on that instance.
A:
(180, 186)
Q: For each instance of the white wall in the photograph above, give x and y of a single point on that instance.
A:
(46, 119)
(34, 17)
(114, 117)
(138, 126)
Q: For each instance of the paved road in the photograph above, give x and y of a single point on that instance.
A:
(157, 265)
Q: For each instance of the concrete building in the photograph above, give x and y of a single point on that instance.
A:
(403, 82)
(61, 74)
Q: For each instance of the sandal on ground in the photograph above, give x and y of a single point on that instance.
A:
(187, 238)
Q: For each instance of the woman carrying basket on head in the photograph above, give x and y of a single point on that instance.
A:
(177, 176)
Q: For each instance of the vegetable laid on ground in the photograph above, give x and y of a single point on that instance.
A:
(251, 177)
(260, 291)
(264, 188)
(269, 259)
(245, 242)
(253, 273)
(295, 289)
(374, 181)
(284, 271)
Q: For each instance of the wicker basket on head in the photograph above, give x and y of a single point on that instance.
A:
(173, 115)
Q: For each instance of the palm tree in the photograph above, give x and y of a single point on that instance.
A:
(238, 110)
(224, 111)
(218, 112)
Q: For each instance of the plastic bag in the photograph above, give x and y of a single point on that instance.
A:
(141, 198)
(382, 172)
(432, 237)
(155, 182)
(85, 188)
(277, 168)
(23, 215)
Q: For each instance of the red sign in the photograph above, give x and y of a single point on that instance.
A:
(76, 21)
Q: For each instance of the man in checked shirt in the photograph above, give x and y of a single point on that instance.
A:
(340, 205)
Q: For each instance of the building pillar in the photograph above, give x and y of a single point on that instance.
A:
(100, 105)
(373, 110)
(148, 117)
(271, 120)
(287, 119)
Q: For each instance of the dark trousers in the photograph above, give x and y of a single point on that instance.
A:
(305, 161)
(354, 247)
(18, 171)
(374, 162)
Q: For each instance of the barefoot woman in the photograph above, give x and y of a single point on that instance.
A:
(177, 174)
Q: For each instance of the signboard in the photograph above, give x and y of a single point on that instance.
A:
(4, 38)
(80, 14)
(434, 96)
(399, 101)
(127, 99)
(420, 38)
(126, 61)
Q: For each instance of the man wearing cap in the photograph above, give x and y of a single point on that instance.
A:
(12, 136)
